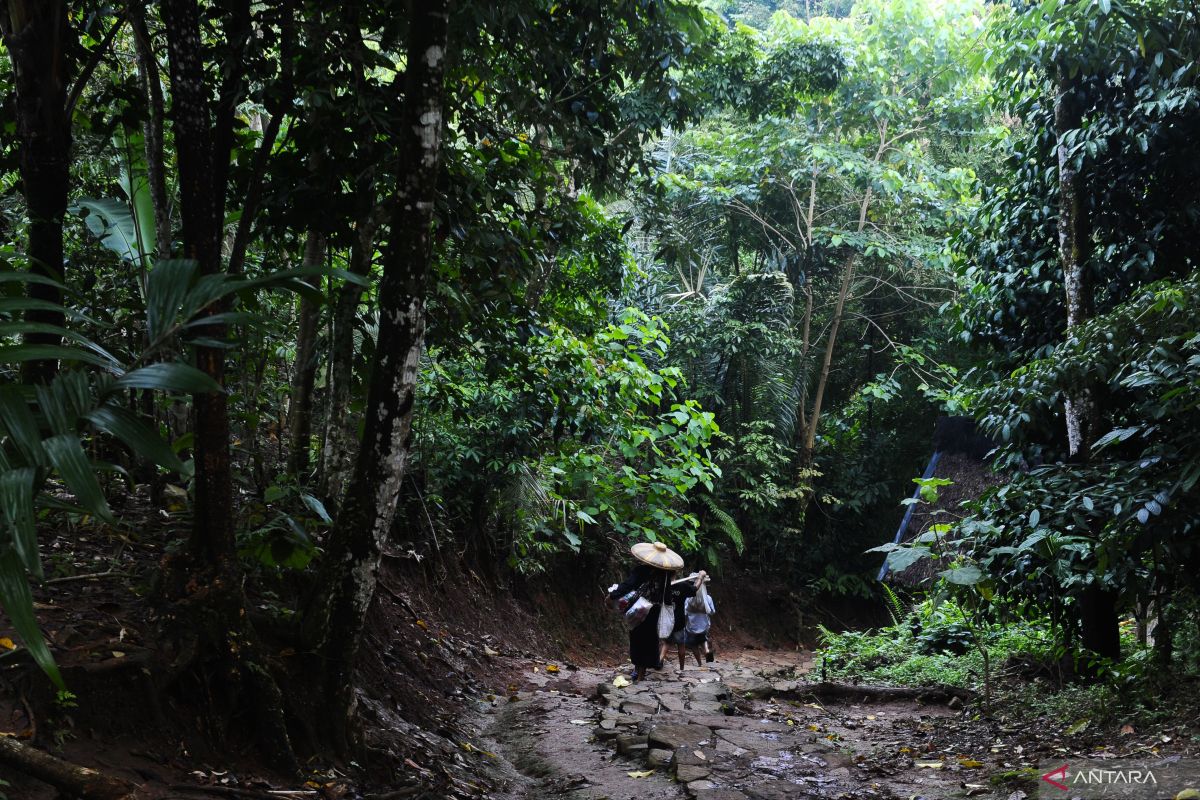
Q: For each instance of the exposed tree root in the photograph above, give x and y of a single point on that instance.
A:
(71, 779)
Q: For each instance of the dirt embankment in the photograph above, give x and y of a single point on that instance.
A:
(442, 636)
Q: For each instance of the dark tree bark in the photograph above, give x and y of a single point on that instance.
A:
(1099, 620)
(212, 599)
(202, 171)
(72, 779)
(340, 438)
(152, 131)
(300, 424)
(338, 447)
(35, 33)
(368, 509)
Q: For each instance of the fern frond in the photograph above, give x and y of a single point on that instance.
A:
(725, 523)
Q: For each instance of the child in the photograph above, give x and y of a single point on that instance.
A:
(694, 635)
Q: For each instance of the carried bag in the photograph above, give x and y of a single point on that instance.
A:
(666, 621)
(637, 612)
(698, 603)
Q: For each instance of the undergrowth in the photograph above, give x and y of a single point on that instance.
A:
(936, 644)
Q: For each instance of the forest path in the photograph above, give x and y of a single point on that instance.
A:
(725, 732)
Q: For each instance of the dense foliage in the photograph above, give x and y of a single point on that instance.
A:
(540, 279)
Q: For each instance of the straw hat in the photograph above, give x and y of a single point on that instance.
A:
(657, 554)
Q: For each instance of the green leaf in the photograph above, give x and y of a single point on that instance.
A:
(166, 287)
(135, 183)
(10, 276)
(317, 507)
(67, 456)
(132, 431)
(963, 576)
(16, 506)
(18, 605)
(111, 221)
(19, 422)
(16, 328)
(168, 376)
(903, 558)
(20, 353)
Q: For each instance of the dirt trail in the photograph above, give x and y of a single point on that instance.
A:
(725, 732)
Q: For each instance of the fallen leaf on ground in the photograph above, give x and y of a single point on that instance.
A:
(1126, 730)
(641, 774)
(970, 763)
(620, 681)
(7, 643)
(1078, 727)
(487, 651)
(579, 722)
(551, 668)
(930, 764)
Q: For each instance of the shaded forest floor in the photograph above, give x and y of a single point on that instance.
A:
(465, 692)
(752, 725)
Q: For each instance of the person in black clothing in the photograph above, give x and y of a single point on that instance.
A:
(652, 581)
(643, 639)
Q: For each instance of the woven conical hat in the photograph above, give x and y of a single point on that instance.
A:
(657, 554)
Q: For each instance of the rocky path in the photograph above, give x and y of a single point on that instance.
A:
(737, 730)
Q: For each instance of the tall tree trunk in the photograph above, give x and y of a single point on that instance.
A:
(367, 512)
(1074, 249)
(337, 450)
(814, 419)
(1100, 622)
(35, 33)
(305, 377)
(152, 131)
(212, 598)
(202, 171)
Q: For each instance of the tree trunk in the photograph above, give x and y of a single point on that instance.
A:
(1099, 621)
(35, 34)
(208, 591)
(337, 451)
(71, 779)
(810, 436)
(1074, 249)
(152, 130)
(202, 208)
(300, 424)
(369, 507)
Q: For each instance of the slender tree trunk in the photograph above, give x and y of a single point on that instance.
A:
(152, 130)
(35, 34)
(305, 376)
(810, 435)
(337, 451)
(1100, 622)
(368, 510)
(1074, 249)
